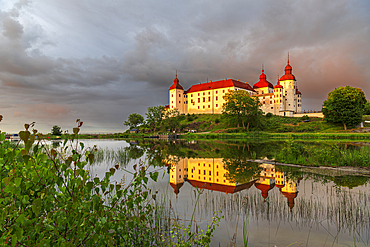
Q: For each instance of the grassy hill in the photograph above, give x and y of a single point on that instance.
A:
(270, 124)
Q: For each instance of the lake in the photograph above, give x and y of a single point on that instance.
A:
(263, 203)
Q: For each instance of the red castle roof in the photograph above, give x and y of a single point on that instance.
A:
(278, 85)
(221, 187)
(288, 73)
(264, 188)
(262, 82)
(219, 84)
(176, 187)
(290, 197)
(176, 84)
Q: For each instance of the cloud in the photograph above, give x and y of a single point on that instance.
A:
(101, 61)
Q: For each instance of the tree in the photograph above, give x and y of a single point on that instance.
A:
(56, 130)
(171, 119)
(242, 109)
(345, 105)
(134, 120)
(154, 116)
(367, 108)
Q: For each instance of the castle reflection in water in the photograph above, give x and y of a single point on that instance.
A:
(210, 174)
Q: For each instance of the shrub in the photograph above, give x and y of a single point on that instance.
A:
(269, 114)
(305, 117)
(47, 197)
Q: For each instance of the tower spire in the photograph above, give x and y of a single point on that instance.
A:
(263, 68)
(176, 73)
(288, 57)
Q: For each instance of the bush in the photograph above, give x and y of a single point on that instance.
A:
(305, 117)
(269, 114)
(217, 120)
(48, 197)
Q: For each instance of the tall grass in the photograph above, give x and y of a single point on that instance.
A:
(334, 155)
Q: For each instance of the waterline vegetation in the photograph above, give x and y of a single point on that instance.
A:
(48, 197)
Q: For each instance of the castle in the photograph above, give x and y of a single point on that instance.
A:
(211, 174)
(283, 99)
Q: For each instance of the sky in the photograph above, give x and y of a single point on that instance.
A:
(100, 61)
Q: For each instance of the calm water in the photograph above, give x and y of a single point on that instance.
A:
(275, 205)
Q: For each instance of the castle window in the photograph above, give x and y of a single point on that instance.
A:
(204, 93)
(209, 98)
(171, 102)
(209, 179)
(204, 107)
(204, 99)
(199, 172)
(204, 172)
(198, 100)
(216, 97)
(179, 95)
(171, 95)
(209, 106)
(270, 102)
(270, 96)
(172, 106)
(223, 91)
(217, 180)
(209, 93)
(216, 91)
(191, 95)
(198, 107)
(179, 176)
(209, 165)
(216, 105)
(192, 101)
(210, 173)
(198, 94)
(217, 166)
(179, 102)
(216, 173)
(272, 108)
(172, 176)
(263, 97)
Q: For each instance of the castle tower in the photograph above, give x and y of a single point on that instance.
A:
(263, 86)
(291, 94)
(278, 98)
(265, 91)
(178, 173)
(177, 97)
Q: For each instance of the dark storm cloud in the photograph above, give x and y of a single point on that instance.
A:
(100, 61)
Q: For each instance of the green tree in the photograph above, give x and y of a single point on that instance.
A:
(134, 120)
(56, 130)
(171, 119)
(345, 105)
(367, 108)
(154, 116)
(241, 108)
